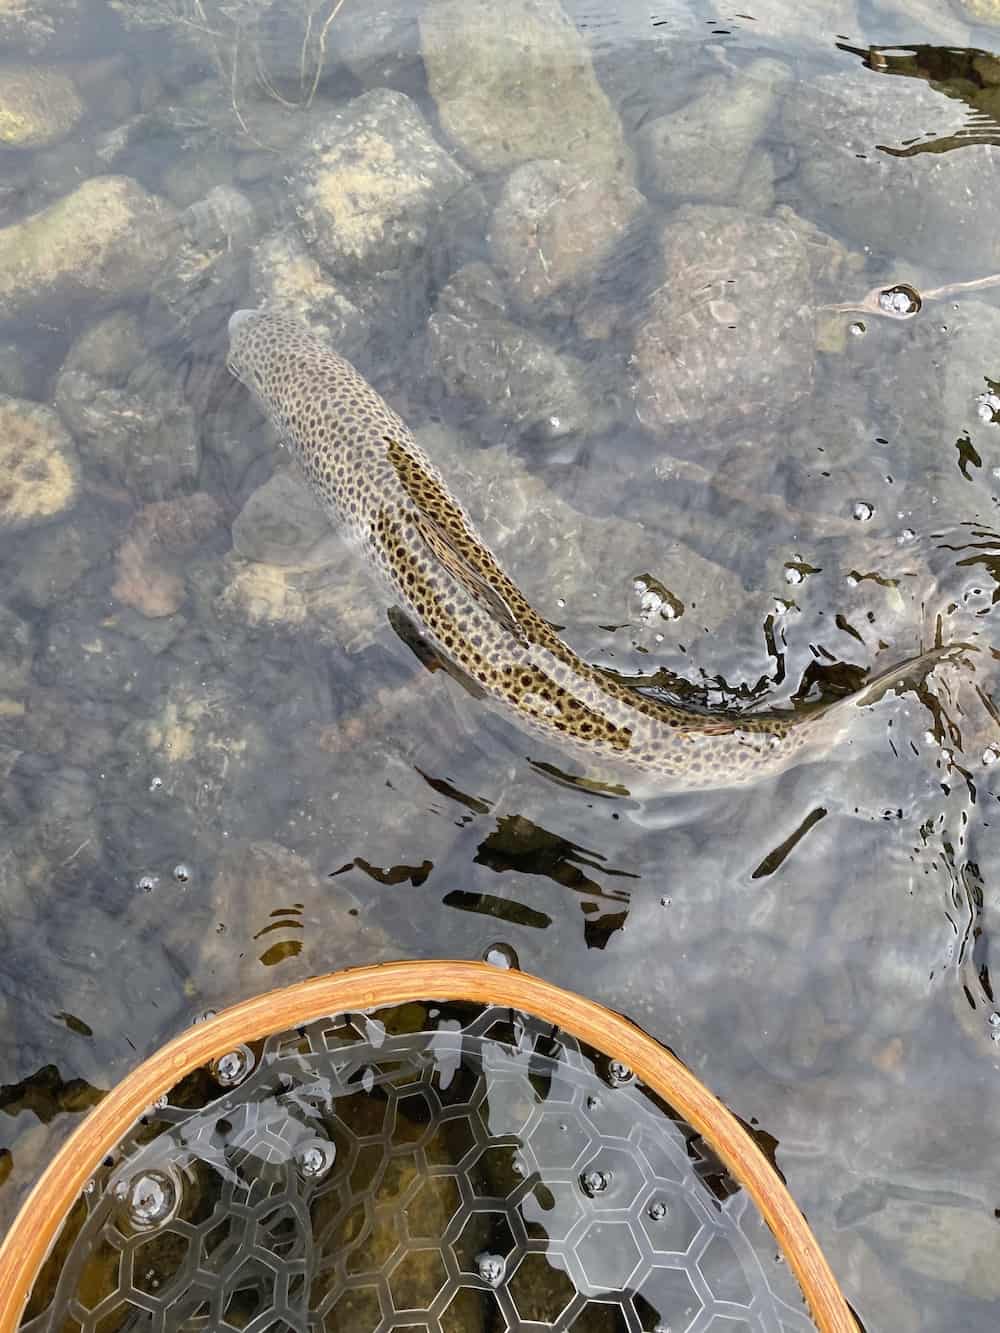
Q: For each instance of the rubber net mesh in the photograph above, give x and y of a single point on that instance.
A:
(439, 1167)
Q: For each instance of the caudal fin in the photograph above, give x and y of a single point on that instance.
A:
(909, 673)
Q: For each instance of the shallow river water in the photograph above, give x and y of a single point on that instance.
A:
(614, 265)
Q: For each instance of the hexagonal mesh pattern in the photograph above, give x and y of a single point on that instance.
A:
(439, 1167)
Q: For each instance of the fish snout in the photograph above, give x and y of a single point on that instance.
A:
(237, 318)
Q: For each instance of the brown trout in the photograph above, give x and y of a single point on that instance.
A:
(374, 479)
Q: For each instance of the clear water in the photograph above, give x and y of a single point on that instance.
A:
(224, 771)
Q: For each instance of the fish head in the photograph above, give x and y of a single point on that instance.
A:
(275, 356)
(241, 360)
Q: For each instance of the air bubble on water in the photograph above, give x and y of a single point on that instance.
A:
(899, 300)
(863, 511)
(492, 1268)
(203, 1017)
(994, 1019)
(147, 883)
(987, 406)
(857, 328)
(593, 1102)
(619, 1074)
(501, 955)
(561, 602)
(665, 902)
(594, 1182)
(656, 1211)
(316, 1157)
(233, 1067)
(990, 755)
(368, 1079)
(907, 536)
(182, 873)
(853, 580)
(151, 1199)
(655, 600)
(155, 784)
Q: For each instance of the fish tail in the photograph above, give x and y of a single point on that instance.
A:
(909, 673)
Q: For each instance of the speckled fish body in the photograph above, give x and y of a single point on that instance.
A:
(373, 478)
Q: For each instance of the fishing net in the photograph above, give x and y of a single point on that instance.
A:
(440, 1166)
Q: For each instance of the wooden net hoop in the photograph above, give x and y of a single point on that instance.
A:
(34, 1231)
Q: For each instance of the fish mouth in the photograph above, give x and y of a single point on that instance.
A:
(237, 318)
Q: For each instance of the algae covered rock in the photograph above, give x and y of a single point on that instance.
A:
(127, 410)
(286, 276)
(150, 560)
(38, 106)
(482, 355)
(375, 188)
(980, 11)
(554, 225)
(742, 343)
(39, 470)
(34, 25)
(515, 82)
(106, 239)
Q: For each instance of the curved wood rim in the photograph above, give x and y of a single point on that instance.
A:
(36, 1226)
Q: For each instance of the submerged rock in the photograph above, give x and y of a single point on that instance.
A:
(281, 522)
(730, 331)
(38, 106)
(128, 411)
(39, 471)
(208, 268)
(704, 150)
(375, 188)
(148, 576)
(47, 562)
(554, 225)
(275, 912)
(380, 45)
(852, 133)
(286, 276)
(515, 82)
(559, 556)
(104, 240)
(980, 11)
(34, 25)
(289, 567)
(482, 355)
(17, 652)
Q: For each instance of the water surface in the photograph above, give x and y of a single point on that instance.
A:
(223, 767)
